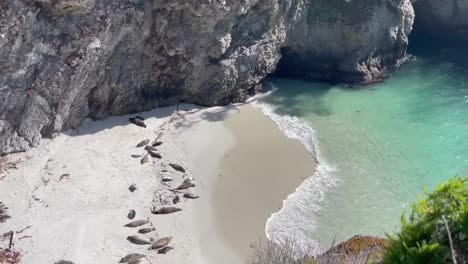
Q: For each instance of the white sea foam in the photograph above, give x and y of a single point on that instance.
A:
(297, 218)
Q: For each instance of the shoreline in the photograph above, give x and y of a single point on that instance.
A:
(78, 183)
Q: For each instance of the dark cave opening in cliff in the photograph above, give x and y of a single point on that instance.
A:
(429, 39)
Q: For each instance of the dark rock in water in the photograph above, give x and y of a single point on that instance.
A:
(132, 188)
(156, 143)
(136, 155)
(145, 159)
(64, 262)
(131, 214)
(138, 240)
(176, 199)
(146, 230)
(185, 186)
(131, 257)
(148, 147)
(137, 223)
(190, 196)
(164, 250)
(143, 143)
(177, 167)
(160, 243)
(140, 117)
(165, 210)
(154, 154)
(137, 122)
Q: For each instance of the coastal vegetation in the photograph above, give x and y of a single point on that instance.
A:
(436, 231)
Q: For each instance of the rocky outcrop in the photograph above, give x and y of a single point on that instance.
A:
(443, 18)
(348, 41)
(64, 60)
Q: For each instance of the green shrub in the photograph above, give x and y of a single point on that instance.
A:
(424, 235)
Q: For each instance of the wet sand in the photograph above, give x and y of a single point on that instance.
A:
(257, 174)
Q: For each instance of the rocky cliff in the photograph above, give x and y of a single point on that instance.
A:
(64, 60)
(348, 41)
(443, 18)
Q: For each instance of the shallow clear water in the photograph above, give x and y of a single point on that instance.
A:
(385, 142)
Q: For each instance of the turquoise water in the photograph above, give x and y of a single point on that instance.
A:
(385, 142)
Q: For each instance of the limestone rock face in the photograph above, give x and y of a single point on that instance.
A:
(443, 18)
(64, 60)
(348, 41)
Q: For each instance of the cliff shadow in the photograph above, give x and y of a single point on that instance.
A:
(296, 97)
(183, 116)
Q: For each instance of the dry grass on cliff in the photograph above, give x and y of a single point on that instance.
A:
(357, 250)
(289, 252)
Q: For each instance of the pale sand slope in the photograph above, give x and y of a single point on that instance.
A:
(80, 217)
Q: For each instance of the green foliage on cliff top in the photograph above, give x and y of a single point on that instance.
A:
(424, 237)
(348, 11)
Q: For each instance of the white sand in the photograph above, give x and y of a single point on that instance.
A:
(80, 217)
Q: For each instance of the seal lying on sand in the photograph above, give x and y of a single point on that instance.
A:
(145, 159)
(137, 121)
(164, 250)
(146, 230)
(137, 223)
(191, 196)
(143, 143)
(156, 143)
(148, 147)
(131, 257)
(138, 240)
(165, 210)
(131, 214)
(160, 243)
(154, 154)
(177, 167)
(184, 186)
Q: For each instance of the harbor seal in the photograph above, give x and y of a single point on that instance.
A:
(145, 159)
(160, 243)
(138, 240)
(131, 214)
(137, 122)
(177, 167)
(164, 250)
(191, 196)
(143, 143)
(165, 210)
(137, 223)
(184, 186)
(154, 154)
(131, 257)
(146, 230)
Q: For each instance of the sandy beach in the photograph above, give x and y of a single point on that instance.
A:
(72, 192)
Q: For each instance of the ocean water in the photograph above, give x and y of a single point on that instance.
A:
(377, 146)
